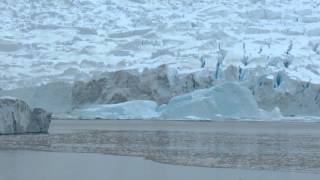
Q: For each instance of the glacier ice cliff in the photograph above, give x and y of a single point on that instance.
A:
(112, 94)
(270, 90)
(228, 100)
(17, 117)
(291, 96)
(158, 84)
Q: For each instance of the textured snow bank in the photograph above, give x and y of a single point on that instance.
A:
(17, 117)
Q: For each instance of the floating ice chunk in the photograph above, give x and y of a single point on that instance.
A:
(227, 100)
(138, 109)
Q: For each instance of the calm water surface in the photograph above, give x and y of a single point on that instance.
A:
(160, 150)
(32, 165)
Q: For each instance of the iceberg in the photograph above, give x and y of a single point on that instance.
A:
(17, 117)
(227, 100)
(137, 109)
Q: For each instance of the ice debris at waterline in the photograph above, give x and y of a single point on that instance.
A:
(138, 109)
(225, 100)
(17, 117)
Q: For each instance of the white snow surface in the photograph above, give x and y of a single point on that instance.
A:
(44, 41)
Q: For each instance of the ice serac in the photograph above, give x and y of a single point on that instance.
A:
(157, 84)
(227, 100)
(17, 117)
(279, 89)
(292, 96)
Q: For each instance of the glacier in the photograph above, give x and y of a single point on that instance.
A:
(75, 40)
(111, 94)
(158, 84)
(270, 90)
(68, 55)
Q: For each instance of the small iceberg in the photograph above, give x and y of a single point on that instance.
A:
(137, 109)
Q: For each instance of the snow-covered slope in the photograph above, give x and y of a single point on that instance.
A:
(71, 40)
